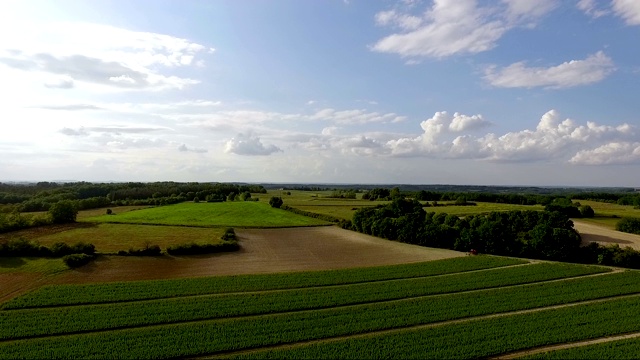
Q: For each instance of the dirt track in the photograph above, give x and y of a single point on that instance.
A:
(264, 251)
(594, 233)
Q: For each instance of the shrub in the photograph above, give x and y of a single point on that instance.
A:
(63, 212)
(194, 249)
(77, 260)
(229, 235)
(109, 212)
(629, 225)
(587, 211)
(83, 248)
(276, 202)
(149, 250)
(60, 249)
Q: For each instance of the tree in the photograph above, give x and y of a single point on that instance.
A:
(276, 202)
(63, 212)
(587, 211)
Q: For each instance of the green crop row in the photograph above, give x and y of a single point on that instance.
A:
(145, 290)
(51, 321)
(215, 336)
(621, 349)
(479, 338)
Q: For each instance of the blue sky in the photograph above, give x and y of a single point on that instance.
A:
(502, 92)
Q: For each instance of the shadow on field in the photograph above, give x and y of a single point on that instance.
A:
(587, 238)
(11, 262)
(39, 231)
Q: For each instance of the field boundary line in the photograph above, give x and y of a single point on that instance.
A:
(569, 345)
(407, 328)
(257, 292)
(225, 354)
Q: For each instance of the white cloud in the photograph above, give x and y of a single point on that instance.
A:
(568, 74)
(356, 116)
(629, 10)
(69, 107)
(97, 54)
(452, 27)
(609, 154)
(591, 8)
(185, 148)
(552, 139)
(248, 145)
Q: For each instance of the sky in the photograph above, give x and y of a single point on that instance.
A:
(469, 92)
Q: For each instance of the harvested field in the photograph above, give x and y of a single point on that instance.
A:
(594, 233)
(265, 251)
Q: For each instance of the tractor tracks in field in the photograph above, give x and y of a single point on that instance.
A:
(225, 354)
(260, 292)
(548, 348)
(344, 306)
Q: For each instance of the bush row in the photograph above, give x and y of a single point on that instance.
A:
(629, 225)
(195, 249)
(76, 260)
(22, 247)
(324, 217)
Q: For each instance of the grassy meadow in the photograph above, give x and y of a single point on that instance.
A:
(109, 238)
(224, 214)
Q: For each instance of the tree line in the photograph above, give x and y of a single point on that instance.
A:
(40, 196)
(530, 234)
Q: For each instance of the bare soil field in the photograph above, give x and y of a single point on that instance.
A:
(264, 251)
(594, 233)
(13, 284)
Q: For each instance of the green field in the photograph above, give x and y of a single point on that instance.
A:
(109, 238)
(233, 214)
(379, 312)
(31, 265)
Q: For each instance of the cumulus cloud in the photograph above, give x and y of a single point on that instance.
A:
(247, 145)
(609, 154)
(99, 54)
(451, 27)
(593, 69)
(552, 139)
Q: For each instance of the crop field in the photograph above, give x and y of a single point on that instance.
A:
(465, 307)
(233, 214)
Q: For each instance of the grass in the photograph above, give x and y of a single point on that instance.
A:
(109, 238)
(607, 215)
(233, 214)
(31, 265)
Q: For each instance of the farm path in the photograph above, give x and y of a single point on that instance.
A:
(594, 233)
(412, 328)
(264, 251)
(540, 350)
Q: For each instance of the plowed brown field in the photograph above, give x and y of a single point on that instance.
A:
(594, 233)
(264, 251)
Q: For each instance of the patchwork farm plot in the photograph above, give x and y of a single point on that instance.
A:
(463, 307)
(234, 214)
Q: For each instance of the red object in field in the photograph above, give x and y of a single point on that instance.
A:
(473, 252)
